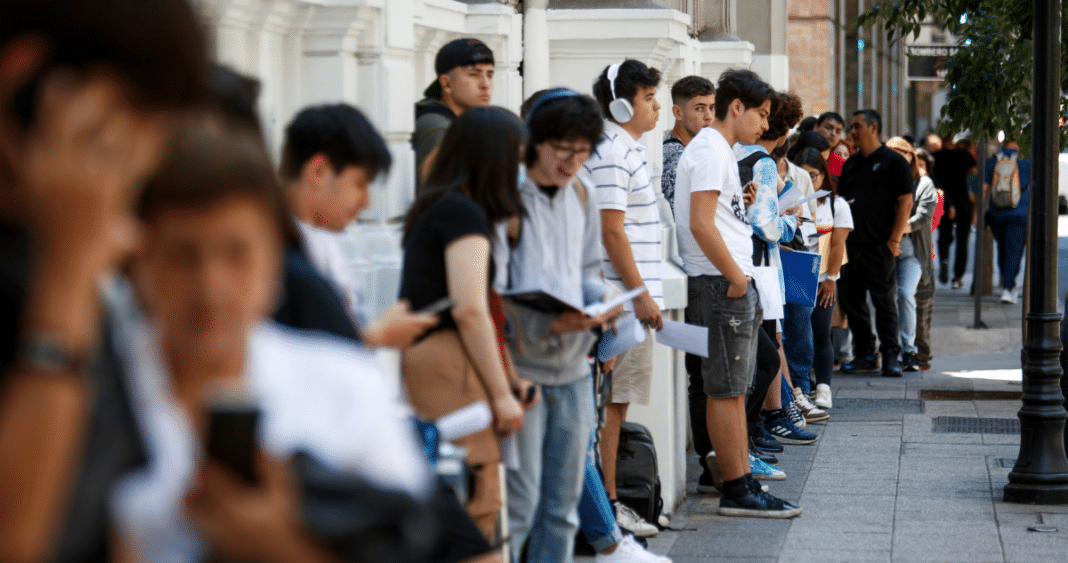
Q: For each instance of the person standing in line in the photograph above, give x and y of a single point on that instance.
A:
(1007, 214)
(874, 181)
(914, 264)
(715, 243)
(813, 347)
(331, 155)
(464, 69)
(692, 104)
(926, 290)
(447, 253)
(631, 241)
(831, 125)
(952, 175)
(556, 244)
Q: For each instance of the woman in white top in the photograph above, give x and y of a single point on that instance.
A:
(833, 223)
(208, 274)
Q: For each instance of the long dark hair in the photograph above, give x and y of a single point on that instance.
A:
(812, 157)
(479, 156)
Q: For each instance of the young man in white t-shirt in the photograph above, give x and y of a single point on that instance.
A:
(715, 243)
(631, 239)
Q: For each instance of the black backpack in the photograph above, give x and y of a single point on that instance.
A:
(637, 478)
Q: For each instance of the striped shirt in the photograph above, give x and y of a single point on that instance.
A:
(619, 170)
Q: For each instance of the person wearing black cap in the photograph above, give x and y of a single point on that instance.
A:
(464, 70)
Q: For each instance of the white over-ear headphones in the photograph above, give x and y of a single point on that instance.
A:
(620, 108)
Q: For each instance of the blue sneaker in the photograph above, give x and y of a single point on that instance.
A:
(765, 471)
(785, 432)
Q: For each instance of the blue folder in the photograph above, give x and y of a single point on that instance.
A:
(801, 274)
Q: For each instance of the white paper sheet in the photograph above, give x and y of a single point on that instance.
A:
(681, 336)
(788, 198)
(628, 334)
(509, 452)
(766, 279)
(802, 201)
(598, 309)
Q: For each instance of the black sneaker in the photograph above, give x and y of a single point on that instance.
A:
(762, 455)
(868, 364)
(706, 485)
(909, 362)
(757, 505)
(764, 441)
(891, 367)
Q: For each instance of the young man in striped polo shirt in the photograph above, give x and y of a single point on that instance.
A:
(630, 227)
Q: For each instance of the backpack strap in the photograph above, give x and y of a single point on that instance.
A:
(746, 166)
(580, 191)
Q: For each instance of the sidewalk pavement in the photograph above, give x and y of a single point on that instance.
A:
(900, 473)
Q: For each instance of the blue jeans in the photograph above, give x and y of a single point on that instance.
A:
(798, 344)
(544, 493)
(909, 272)
(596, 516)
(1009, 234)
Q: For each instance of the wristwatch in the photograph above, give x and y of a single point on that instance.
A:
(835, 277)
(50, 353)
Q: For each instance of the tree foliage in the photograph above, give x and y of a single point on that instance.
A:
(990, 77)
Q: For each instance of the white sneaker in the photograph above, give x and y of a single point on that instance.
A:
(628, 551)
(823, 396)
(1008, 296)
(808, 410)
(627, 518)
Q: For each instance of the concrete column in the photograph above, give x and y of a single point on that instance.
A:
(535, 47)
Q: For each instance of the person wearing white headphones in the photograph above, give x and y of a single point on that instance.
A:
(630, 228)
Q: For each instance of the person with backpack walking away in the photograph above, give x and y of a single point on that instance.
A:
(1005, 181)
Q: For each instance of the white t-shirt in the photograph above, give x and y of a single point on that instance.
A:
(842, 218)
(315, 394)
(324, 251)
(708, 164)
(619, 171)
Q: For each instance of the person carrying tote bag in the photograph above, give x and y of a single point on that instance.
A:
(447, 248)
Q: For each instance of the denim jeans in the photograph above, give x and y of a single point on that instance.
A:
(908, 278)
(797, 342)
(596, 516)
(1009, 234)
(544, 493)
(733, 324)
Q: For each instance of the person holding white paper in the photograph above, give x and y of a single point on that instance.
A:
(631, 237)
(808, 337)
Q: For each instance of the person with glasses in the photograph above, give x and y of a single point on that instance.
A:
(555, 246)
(811, 345)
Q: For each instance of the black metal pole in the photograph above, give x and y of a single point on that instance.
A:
(1041, 472)
(979, 266)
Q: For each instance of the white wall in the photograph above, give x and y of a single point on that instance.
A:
(379, 56)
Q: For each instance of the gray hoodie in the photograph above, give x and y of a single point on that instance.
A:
(559, 248)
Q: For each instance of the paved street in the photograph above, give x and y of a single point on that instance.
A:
(908, 469)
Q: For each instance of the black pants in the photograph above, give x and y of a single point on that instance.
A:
(962, 225)
(767, 367)
(822, 345)
(871, 269)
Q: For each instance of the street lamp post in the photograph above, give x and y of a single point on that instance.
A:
(1040, 475)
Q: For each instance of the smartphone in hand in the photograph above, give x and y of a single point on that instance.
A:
(439, 306)
(232, 431)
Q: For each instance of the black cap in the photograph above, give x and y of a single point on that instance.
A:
(461, 52)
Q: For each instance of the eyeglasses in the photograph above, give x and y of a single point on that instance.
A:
(564, 152)
(815, 174)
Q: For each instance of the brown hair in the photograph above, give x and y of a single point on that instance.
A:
(900, 144)
(205, 168)
(786, 113)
